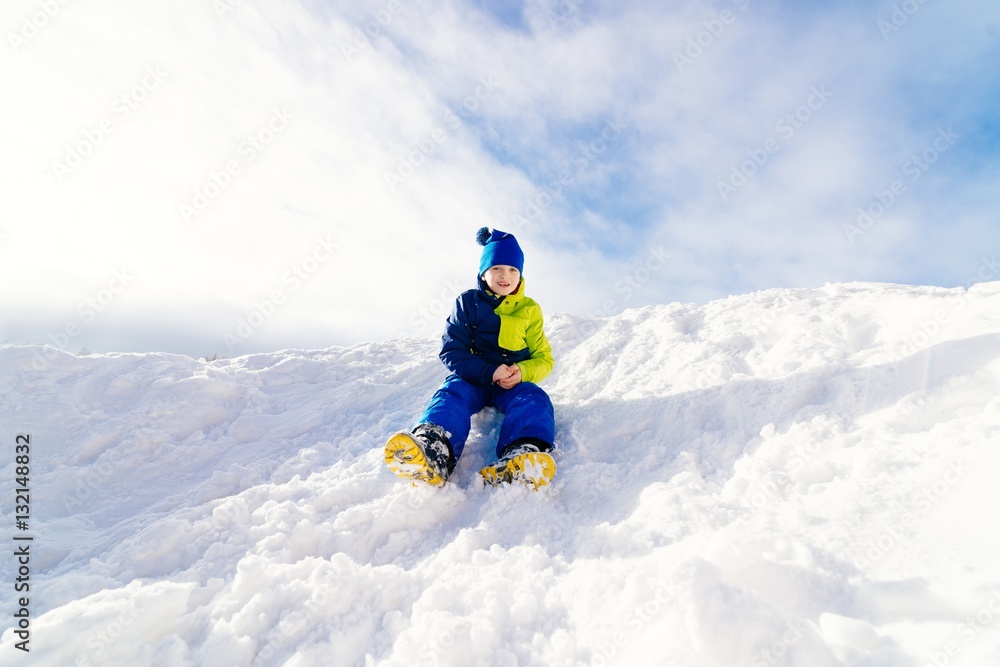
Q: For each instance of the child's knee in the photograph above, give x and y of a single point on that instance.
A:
(536, 393)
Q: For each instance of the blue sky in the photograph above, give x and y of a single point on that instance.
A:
(263, 175)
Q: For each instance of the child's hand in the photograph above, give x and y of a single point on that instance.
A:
(507, 376)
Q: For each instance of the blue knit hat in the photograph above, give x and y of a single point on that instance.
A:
(499, 248)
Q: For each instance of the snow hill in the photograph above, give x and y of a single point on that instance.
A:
(792, 477)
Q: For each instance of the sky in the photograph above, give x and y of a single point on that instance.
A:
(218, 178)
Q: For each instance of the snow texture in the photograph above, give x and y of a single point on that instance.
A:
(791, 477)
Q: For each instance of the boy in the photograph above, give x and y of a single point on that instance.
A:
(496, 350)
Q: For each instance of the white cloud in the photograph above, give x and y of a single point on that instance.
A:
(395, 129)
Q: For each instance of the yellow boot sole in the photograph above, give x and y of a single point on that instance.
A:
(532, 469)
(406, 459)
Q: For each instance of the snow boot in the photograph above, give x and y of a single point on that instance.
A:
(423, 455)
(526, 461)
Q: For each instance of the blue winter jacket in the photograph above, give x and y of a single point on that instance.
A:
(486, 330)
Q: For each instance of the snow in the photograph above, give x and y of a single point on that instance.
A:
(791, 477)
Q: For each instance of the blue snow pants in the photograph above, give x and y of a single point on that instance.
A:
(526, 407)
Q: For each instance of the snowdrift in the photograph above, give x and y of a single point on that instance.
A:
(792, 477)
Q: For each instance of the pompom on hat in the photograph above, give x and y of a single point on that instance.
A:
(499, 248)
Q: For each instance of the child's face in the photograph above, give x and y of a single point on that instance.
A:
(502, 279)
